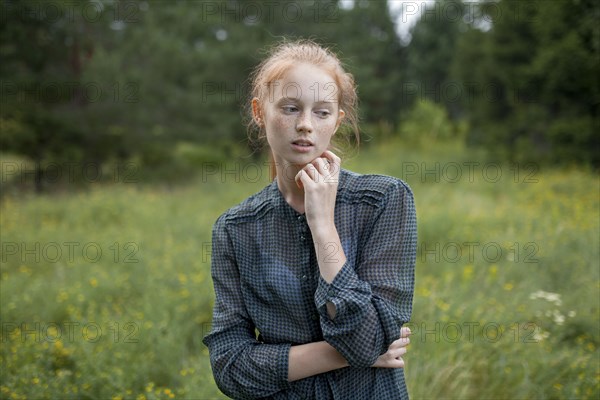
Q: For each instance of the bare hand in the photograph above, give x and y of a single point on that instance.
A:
(392, 358)
(319, 178)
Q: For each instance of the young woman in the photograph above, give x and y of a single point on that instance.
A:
(313, 275)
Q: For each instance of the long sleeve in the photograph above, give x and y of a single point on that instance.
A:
(243, 367)
(373, 293)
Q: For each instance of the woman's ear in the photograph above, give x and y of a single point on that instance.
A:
(341, 116)
(257, 113)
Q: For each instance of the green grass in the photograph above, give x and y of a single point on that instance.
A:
(131, 319)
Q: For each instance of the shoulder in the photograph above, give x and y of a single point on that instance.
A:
(376, 188)
(250, 209)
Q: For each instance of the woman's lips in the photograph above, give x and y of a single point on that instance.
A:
(302, 146)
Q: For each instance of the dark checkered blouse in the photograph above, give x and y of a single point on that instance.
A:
(270, 295)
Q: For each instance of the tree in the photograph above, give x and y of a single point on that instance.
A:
(41, 63)
(536, 70)
(430, 54)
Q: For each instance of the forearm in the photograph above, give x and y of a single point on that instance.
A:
(312, 359)
(329, 251)
(365, 321)
(330, 256)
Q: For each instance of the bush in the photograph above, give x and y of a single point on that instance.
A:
(428, 121)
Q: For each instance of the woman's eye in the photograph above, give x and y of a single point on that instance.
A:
(290, 109)
(323, 113)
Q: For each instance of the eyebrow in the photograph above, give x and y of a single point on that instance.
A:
(283, 100)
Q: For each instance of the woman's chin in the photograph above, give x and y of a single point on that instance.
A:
(300, 160)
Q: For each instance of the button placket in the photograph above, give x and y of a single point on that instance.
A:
(303, 227)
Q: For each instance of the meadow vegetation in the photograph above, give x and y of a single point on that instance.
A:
(106, 290)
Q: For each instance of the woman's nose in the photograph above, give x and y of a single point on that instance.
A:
(304, 124)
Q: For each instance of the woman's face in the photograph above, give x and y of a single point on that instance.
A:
(300, 115)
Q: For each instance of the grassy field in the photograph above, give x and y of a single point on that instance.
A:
(106, 291)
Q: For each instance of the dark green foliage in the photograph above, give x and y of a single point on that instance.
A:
(524, 74)
(136, 78)
(130, 80)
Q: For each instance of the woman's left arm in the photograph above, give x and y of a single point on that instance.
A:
(364, 303)
(373, 296)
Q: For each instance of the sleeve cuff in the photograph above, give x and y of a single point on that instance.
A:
(281, 369)
(341, 292)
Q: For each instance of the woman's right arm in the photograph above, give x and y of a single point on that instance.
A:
(316, 358)
(312, 359)
(242, 366)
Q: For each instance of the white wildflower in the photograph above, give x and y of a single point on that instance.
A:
(559, 319)
(540, 335)
(548, 296)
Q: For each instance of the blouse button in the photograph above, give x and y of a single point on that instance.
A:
(304, 277)
(302, 237)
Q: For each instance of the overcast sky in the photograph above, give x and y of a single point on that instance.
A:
(406, 13)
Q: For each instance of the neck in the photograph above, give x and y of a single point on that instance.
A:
(286, 183)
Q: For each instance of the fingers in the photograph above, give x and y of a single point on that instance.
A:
(306, 176)
(298, 179)
(394, 355)
(332, 157)
(321, 166)
(398, 343)
(392, 358)
(397, 353)
(309, 172)
(332, 164)
(328, 166)
(321, 169)
(405, 332)
(397, 349)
